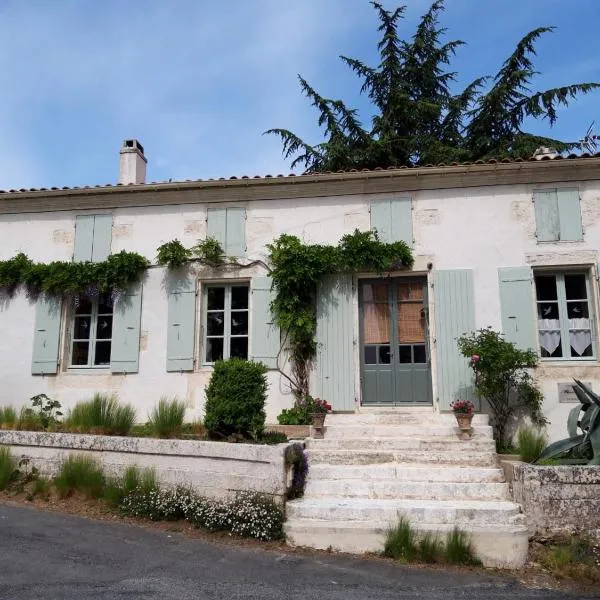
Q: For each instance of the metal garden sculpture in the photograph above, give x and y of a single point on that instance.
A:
(584, 417)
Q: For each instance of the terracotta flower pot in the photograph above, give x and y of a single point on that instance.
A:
(464, 424)
(318, 422)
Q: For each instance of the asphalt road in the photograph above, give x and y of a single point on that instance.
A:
(50, 556)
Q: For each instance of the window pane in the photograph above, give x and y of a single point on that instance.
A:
(81, 329)
(79, 355)
(376, 323)
(375, 292)
(577, 310)
(545, 286)
(85, 307)
(239, 347)
(548, 310)
(420, 356)
(550, 342)
(214, 349)
(405, 353)
(575, 287)
(581, 342)
(102, 356)
(370, 355)
(411, 322)
(410, 291)
(105, 306)
(384, 355)
(104, 328)
(239, 297)
(216, 298)
(239, 323)
(215, 323)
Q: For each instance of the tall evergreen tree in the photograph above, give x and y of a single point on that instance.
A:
(418, 120)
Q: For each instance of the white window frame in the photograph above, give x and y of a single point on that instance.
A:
(561, 300)
(227, 310)
(92, 338)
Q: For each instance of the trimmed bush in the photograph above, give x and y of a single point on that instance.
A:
(80, 473)
(8, 466)
(167, 417)
(530, 443)
(235, 399)
(102, 415)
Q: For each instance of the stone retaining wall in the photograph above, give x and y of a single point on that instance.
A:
(213, 469)
(556, 498)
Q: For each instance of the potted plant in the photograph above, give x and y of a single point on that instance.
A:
(319, 409)
(463, 411)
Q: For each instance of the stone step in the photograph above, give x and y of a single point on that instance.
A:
(496, 545)
(439, 444)
(414, 472)
(399, 417)
(439, 490)
(477, 458)
(381, 512)
(383, 431)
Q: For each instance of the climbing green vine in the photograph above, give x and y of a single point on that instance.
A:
(298, 268)
(61, 278)
(174, 254)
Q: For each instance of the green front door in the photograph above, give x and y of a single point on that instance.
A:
(395, 364)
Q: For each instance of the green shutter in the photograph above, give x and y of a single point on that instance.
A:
(236, 232)
(454, 315)
(47, 336)
(102, 237)
(393, 220)
(181, 333)
(569, 213)
(217, 225)
(84, 238)
(516, 303)
(265, 338)
(125, 350)
(335, 369)
(546, 215)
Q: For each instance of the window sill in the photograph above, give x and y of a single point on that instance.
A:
(567, 362)
(86, 370)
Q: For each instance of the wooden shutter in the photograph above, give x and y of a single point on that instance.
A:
(454, 315)
(102, 237)
(516, 304)
(265, 337)
(47, 336)
(569, 214)
(236, 232)
(84, 238)
(546, 215)
(181, 333)
(125, 349)
(217, 225)
(393, 220)
(335, 369)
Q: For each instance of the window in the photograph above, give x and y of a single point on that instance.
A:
(225, 322)
(92, 332)
(558, 215)
(564, 315)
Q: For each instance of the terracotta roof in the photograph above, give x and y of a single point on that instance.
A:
(492, 161)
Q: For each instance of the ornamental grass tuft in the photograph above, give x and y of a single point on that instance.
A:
(8, 466)
(8, 417)
(80, 473)
(101, 415)
(167, 417)
(530, 443)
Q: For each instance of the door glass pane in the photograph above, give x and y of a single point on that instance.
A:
(376, 323)
(84, 307)
(104, 328)
(385, 357)
(410, 290)
(215, 323)
(239, 297)
(215, 298)
(239, 347)
(214, 349)
(545, 287)
(575, 287)
(375, 292)
(79, 355)
(405, 354)
(102, 356)
(420, 356)
(370, 355)
(239, 323)
(411, 322)
(81, 330)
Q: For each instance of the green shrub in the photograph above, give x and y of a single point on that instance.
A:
(400, 541)
(458, 549)
(235, 399)
(8, 467)
(167, 417)
(575, 557)
(430, 548)
(530, 443)
(102, 414)
(273, 437)
(82, 474)
(8, 417)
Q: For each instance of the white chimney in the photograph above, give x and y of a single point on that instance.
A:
(132, 163)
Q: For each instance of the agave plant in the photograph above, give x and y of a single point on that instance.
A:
(584, 417)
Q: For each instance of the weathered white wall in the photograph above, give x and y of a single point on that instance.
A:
(478, 228)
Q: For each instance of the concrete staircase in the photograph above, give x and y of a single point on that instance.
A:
(376, 465)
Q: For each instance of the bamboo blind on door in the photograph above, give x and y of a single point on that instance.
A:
(411, 317)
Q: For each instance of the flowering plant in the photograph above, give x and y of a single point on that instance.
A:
(320, 406)
(463, 407)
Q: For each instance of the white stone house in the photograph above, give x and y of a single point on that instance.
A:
(514, 245)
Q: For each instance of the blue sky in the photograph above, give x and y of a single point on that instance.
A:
(198, 81)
